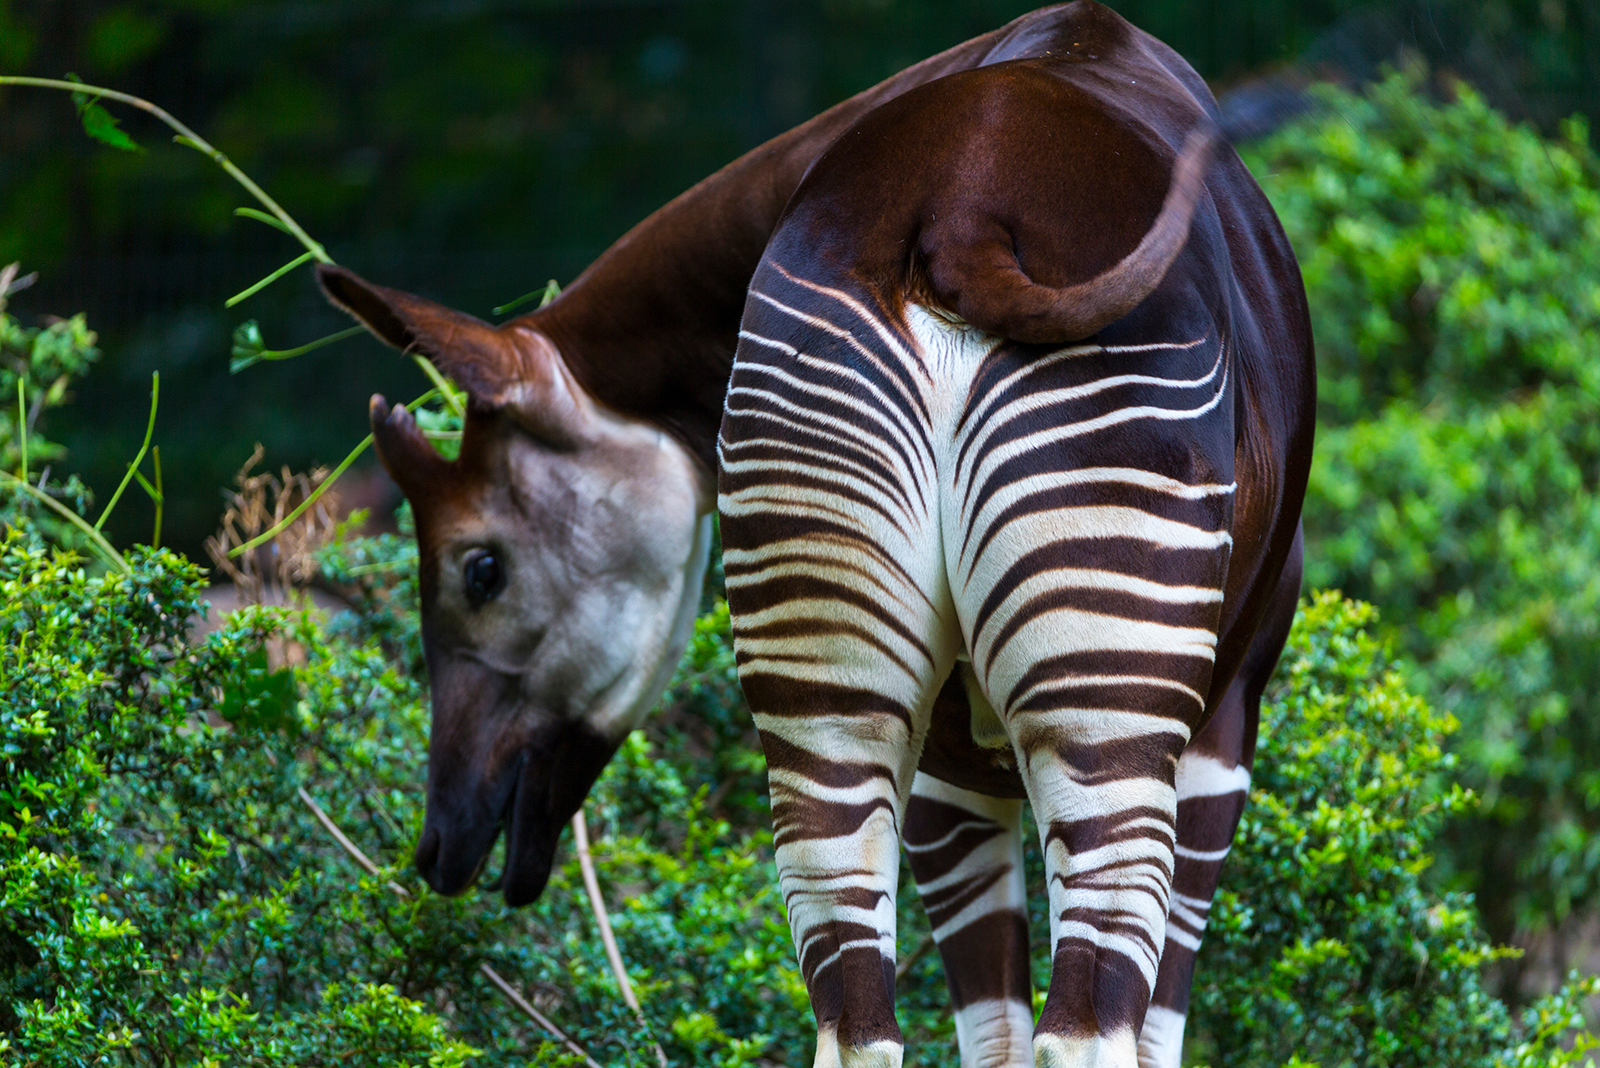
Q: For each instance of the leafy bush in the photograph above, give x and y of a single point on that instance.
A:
(37, 369)
(1449, 257)
(1325, 944)
(170, 897)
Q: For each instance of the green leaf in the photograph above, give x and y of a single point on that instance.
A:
(248, 347)
(261, 699)
(99, 123)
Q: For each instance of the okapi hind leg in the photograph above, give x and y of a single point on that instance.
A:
(1213, 782)
(965, 850)
(843, 631)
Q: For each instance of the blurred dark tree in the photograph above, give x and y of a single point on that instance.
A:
(471, 149)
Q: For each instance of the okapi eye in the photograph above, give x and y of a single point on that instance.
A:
(482, 576)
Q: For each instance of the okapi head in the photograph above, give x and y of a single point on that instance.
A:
(561, 558)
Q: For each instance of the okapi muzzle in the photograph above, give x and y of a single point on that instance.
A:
(493, 765)
(560, 561)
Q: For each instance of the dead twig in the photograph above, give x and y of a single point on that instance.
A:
(911, 961)
(489, 973)
(591, 883)
(261, 502)
(538, 1017)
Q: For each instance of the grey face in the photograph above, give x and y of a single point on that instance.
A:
(561, 562)
(558, 594)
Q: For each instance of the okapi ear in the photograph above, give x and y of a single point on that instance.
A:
(513, 369)
(413, 463)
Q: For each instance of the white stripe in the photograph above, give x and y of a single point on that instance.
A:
(848, 301)
(889, 404)
(999, 455)
(1200, 775)
(983, 422)
(1202, 854)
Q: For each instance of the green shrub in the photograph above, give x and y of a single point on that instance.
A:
(1450, 261)
(1325, 943)
(37, 369)
(169, 897)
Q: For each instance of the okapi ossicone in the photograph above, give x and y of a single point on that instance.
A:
(1006, 368)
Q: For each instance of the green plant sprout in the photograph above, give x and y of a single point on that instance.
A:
(103, 547)
(248, 347)
(548, 292)
(149, 429)
(99, 124)
(22, 424)
(312, 497)
(21, 481)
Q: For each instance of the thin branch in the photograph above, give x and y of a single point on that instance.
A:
(489, 973)
(534, 1014)
(591, 883)
(916, 954)
(187, 137)
(349, 846)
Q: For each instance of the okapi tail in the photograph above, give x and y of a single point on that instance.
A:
(987, 287)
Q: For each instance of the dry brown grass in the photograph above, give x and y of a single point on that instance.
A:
(285, 566)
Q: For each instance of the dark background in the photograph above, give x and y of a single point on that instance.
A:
(471, 149)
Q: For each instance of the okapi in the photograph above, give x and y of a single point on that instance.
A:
(1012, 368)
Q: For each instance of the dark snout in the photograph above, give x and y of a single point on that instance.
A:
(494, 766)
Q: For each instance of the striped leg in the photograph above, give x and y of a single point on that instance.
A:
(966, 854)
(1089, 589)
(1098, 726)
(1213, 781)
(844, 632)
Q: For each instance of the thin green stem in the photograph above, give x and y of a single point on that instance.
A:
(193, 140)
(22, 425)
(549, 292)
(278, 528)
(312, 346)
(267, 281)
(261, 216)
(161, 497)
(381, 565)
(154, 492)
(239, 363)
(451, 395)
(95, 538)
(149, 429)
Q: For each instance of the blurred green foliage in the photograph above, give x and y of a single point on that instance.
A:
(1325, 942)
(1450, 261)
(170, 898)
(38, 368)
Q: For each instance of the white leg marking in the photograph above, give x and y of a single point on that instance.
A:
(1206, 776)
(1161, 1041)
(1119, 1050)
(995, 1034)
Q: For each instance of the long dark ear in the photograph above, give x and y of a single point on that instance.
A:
(514, 370)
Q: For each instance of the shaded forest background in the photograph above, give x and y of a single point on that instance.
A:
(472, 149)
